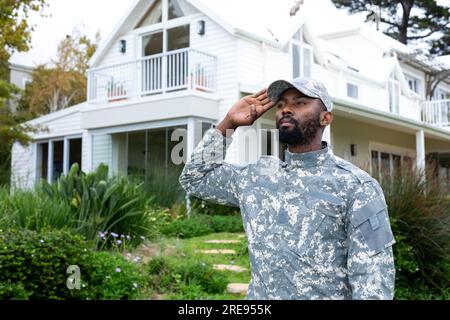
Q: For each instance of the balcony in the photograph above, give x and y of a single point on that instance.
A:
(184, 69)
(436, 113)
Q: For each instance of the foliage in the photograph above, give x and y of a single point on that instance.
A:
(188, 277)
(199, 225)
(409, 20)
(15, 35)
(420, 217)
(62, 82)
(90, 204)
(34, 266)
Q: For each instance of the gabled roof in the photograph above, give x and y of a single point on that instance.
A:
(262, 20)
(57, 115)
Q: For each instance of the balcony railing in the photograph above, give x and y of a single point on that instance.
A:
(436, 113)
(185, 69)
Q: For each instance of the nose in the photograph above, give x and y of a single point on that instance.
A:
(285, 110)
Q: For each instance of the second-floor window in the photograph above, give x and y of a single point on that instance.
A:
(394, 94)
(352, 90)
(414, 84)
(302, 56)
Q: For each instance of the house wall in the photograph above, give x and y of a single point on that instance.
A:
(22, 166)
(346, 131)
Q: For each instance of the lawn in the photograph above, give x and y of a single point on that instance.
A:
(179, 251)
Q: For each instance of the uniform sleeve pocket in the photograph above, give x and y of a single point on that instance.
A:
(372, 220)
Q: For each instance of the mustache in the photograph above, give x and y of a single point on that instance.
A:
(290, 119)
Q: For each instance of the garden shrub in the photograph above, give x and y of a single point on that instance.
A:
(33, 265)
(183, 275)
(199, 225)
(420, 216)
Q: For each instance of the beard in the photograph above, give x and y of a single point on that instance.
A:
(299, 134)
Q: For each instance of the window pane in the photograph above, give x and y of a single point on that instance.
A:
(75, 152)
(205, 127)
(385, 164)
(296, 60)
(152, 44)
(352, 91)
(396, 163)
(58, 159)
(375, 166)
(307, 62)
(178, 38)
(174, 9)
(408, 162)
(266, 142)
(136, 154)
(153, 16)
(42, 170)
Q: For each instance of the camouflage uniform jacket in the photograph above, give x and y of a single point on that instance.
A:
(317, 226)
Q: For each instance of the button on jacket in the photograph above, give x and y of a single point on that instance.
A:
(317, 226)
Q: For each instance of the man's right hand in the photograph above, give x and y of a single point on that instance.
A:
(246, 111)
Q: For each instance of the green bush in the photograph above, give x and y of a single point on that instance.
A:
(200, 225)
(185, 277)
(33, 265)
(89, 204)
(420, 217)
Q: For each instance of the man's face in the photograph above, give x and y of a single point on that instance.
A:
(298, 117)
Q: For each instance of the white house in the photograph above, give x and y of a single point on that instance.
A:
(172, 64)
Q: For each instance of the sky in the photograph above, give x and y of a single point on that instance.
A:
(88, 16)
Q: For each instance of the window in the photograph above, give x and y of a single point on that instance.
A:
(42, 161)
(352, 91)
(154, 15)
(414, 84)
(55, 158)
(302, 56)
(178, 38)
(387, 163)
(164, 10)
(394, 95)
(152, 44)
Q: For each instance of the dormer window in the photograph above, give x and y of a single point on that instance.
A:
(302, 56)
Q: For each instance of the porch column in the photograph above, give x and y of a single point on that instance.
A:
(66, 156)
(190, 145)
(420, 150)
(50, 162)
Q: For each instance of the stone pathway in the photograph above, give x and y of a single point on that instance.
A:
(237, 288)
(222, 241)
(227, 267)
(218, 251)
(233, 288)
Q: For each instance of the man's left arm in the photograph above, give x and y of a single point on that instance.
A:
(370, 260)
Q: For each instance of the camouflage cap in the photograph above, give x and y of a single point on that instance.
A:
(309, 87)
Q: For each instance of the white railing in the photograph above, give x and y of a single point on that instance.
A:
(436, 112)
(185, 69)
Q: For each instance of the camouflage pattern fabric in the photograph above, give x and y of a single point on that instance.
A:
(317, 226)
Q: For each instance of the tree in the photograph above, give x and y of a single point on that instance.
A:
(15, 35)
(408, 20)
(61, 83)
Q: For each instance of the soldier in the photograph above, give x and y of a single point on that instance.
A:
(317, 226)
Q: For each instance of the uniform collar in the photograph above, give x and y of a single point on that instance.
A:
(309, 159)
